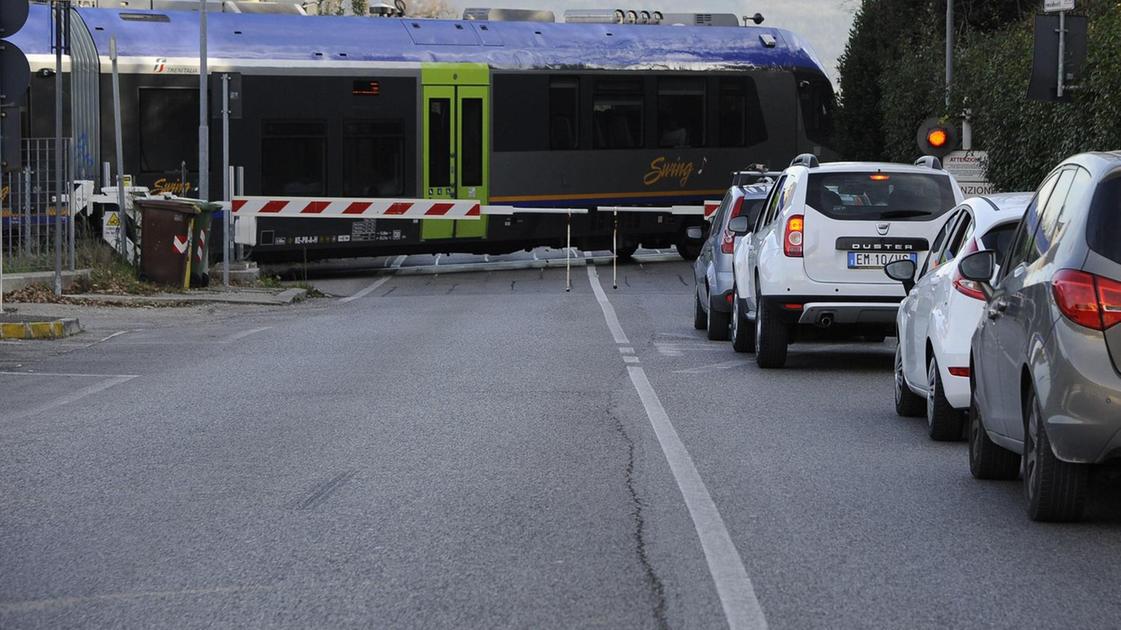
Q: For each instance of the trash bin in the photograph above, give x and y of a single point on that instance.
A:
(200, 242)
(166, 228)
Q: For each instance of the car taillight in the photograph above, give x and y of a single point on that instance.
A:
(728, 243)
(1087, 300)
(792, 238)
(968, 288)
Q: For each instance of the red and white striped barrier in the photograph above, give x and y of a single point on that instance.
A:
(338, 207)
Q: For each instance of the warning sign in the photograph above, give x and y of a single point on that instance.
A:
(114, 220)
(968, 168)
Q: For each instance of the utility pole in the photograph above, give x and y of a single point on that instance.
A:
(61, 43)
(949, 48)
(204, 129)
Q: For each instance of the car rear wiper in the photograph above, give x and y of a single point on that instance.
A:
(896, 214)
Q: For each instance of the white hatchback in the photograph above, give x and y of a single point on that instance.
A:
(812, 266)
(937, 318)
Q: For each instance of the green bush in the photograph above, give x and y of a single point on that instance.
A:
(895, 86)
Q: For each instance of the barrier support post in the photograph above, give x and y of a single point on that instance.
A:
(567, 252)
(615, 250)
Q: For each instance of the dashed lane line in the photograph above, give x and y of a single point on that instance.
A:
(245, 333)
(368, 290)
(733, 586)
(71, 397)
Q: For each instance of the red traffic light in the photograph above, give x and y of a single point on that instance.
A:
(937, 138)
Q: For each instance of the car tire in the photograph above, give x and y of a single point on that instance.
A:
(743, 329)
(718, 322)
(1055, 490)
(907, 403)
(772, 337)
(700, 318)
(688, 250)
(987, 460)
(943, 422)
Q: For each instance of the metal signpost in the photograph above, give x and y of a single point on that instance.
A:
(1061, 7)
(204, 129)
(229, 184)
(122, 233)
(61, 46)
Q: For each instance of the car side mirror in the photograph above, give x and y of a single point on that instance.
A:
(979, 267)
(902, 271)
(694, 232)
(739, 226)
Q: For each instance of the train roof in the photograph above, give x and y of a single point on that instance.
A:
(501, 45)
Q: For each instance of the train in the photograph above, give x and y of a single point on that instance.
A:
(524, 113)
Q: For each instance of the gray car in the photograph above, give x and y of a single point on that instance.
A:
(1046, 357)
(712, 271)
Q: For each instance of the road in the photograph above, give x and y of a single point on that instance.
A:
(488, 450)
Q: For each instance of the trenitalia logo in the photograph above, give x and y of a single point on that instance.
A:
(162, 67)
(857, 244)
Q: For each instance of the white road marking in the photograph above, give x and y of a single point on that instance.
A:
(245, 333)
(124, 376)
(726, 365)
(72, 396)
(368, 290)
(116, 334)
(630, 359)
(626, 350)
(668, 349)
(733, 586)
(605, 306)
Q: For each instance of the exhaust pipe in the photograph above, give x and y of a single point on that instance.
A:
(825, 321)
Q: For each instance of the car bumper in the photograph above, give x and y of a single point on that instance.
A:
(849, 313)
(721, 287)
(1080, 395)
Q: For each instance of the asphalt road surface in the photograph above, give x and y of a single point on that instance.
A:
(488, 450)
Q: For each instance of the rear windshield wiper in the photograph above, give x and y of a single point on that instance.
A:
(896, 214)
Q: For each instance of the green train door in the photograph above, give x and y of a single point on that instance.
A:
(456, 128)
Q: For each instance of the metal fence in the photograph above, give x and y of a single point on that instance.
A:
(33, 216)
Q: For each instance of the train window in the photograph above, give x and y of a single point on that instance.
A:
(439, 142)
(816, 99)
(374, 159)
(164, 144)
(741, 114)
(681, 112)
(471, 141)
(617, 114)
(564, 114)
(294, 157)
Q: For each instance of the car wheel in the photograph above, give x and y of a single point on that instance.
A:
(743, 331)
(718, 322)
(772, 337)
(1056, 490)
(700, 317)
(943, 422)
(907, 403)
(987, 460)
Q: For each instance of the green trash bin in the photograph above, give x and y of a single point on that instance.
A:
(200, 243)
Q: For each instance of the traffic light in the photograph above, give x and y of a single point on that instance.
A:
(937, 138)
(15, 75)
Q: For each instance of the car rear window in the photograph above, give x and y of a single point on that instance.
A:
(1103, 230)
(999, 239)
(876, 196)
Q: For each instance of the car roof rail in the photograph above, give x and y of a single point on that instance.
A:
(809, 160)
(929, 161)
(754, 174)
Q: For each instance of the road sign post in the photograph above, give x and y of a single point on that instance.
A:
(15, 75)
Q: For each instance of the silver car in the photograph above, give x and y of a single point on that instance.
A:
(1046, 357)
(712, 271)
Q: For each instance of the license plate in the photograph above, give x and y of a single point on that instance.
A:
(876, 260)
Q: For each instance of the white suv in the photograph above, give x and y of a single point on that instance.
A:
(812, 265)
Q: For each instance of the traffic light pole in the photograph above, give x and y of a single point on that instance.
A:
(204, 129)
(61, 31)
(949, 48)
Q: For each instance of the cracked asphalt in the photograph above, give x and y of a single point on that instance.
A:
(467, 450)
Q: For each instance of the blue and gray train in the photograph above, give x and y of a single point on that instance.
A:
(522, 113)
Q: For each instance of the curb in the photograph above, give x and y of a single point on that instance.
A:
(42, 329)
(287, 296)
